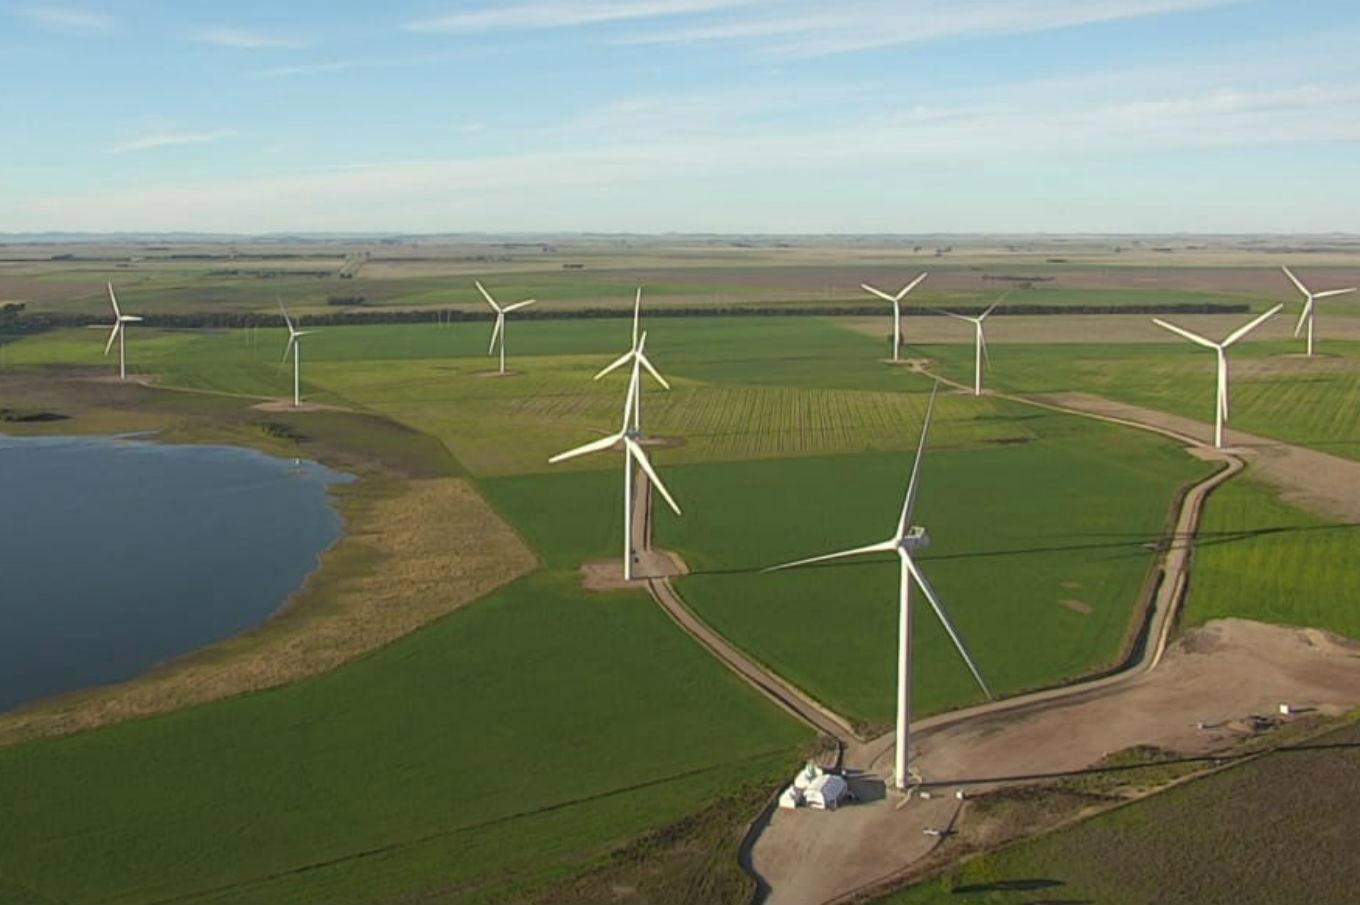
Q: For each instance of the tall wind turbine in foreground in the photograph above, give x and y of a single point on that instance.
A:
(295, 347)
(980, 344)
(1309, 314)
(1221, 349)
(897, 307)
(498, 331)
(905, 540)
(637, 355)
(119, 332)
(632, 451)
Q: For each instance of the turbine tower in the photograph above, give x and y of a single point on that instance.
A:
(980, 344)
(1309, 314)
(498, 331)
(632, 451)
(1221, 350)
(905, 541)
(118, 332)
(897, 307)
(636, 355)
(295, 347)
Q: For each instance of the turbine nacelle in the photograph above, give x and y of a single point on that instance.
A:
(916, 538)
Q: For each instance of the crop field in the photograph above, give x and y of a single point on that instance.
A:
(498, 734)
(1275, 393)
(1038, 550)
(1278, 829)
(1260, 558)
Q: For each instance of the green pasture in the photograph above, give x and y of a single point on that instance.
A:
(500, 748)
(1257, 557)
(1275, 392)
(1039, 550)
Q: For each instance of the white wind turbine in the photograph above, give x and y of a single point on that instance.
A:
(119, 332)
(632, 451)
(498, 331)
(1309, 314)
(295, 347)
(905, 540)
(897, 307)
(980, 344)
(636, 355)
(1221, 350)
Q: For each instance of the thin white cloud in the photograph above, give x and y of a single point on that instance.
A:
(66, 18)
(565, 13)
(809, 28)
(324, 66)
(167, 139)
(246, 39)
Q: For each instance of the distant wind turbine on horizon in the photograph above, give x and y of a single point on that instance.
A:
(1309, 313)
(906, 539)
(118, 332)
(498, 331)
(638, 356)
(980, 343)
(295, 347)
(1221, 351)
(897, 307)
(632, 452)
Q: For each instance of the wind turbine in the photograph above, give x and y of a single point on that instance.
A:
(1308, 314)
(295, 347)
(637, 355)
(1221, 350)
(632, 451)
(498, 331)
(897, 307)
(119, 332)
(905, 540)
(980, 342)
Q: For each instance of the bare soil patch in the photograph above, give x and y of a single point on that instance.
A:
(286, 405)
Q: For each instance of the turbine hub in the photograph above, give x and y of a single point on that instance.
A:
(916, 538)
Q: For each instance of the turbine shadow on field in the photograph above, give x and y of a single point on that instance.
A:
(1136, 545)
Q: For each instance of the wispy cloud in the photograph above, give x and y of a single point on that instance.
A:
(805, 28)
(66, 18)
(565, 13)
(167, 139)
(325, 66)
(246, 39)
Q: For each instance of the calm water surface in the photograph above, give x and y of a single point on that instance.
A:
(116, 555)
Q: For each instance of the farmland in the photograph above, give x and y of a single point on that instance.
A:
(1206, 840)
(527, 738)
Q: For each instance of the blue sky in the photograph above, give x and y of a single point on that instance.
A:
(798, 116)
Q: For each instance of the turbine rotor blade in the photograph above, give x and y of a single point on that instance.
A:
(909, 502)
(637, 314)
(878, 292)
(129, 319)
(880, 547)
(990, 308)
(938, 607)
(486, 295)
(118, 325)
(615, 364)
(1331, 292)
(910, 286)
(518, 305)
(288, 347)
(286, 319)
(585, 449)
(637, 453)
(1295, 280)
(646, 363)
(1255, 322)
(1180, 331)
(113, 300)
(496, 331)
(1303, 317)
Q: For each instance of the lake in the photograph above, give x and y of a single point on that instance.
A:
(118, 554)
